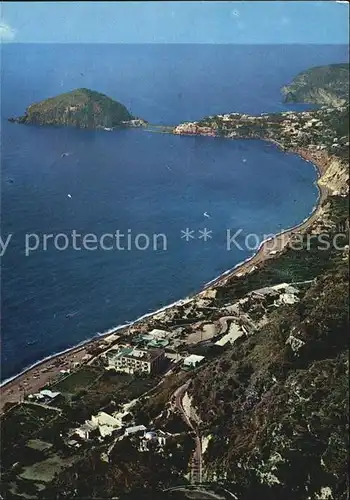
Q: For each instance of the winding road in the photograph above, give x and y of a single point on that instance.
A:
(196, 462)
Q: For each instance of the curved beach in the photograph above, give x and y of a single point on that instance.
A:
(42, 372)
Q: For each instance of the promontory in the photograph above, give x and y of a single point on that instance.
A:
(82, 108)
(325, 85)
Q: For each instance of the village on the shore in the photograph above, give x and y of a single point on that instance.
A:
(314, 132)
(134, 362)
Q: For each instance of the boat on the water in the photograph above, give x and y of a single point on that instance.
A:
(71, 314)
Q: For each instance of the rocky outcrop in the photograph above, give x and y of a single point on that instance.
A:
(336, 177)
(192, 128)
(334, 172)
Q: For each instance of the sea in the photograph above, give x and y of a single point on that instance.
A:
(168, 204)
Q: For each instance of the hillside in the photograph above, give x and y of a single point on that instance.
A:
(325, 85)
(82, 108)
(275, 405)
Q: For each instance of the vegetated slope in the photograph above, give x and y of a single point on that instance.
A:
(81, 108)
(276, 403)
(127, 471)
(320, 85)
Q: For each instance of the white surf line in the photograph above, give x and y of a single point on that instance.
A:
(178, 302)
(277, 235)
(94, 337)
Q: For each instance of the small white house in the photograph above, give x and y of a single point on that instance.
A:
(103, 418)
(159, 334)
(134, 430)
(84, 431)
(49, 394)
(105, 423)
(158, 436)
(193, 360)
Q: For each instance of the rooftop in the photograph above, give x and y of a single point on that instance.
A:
(193, 358)
(49, 394)
(134, 353)
(136, 428)
(159, 334)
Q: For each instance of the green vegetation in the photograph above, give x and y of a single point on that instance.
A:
(128, 470)
(82, 108)
(76, 382)
(22, 422)
(151, 407)
(320, 85)
(107, 392)
(29, 437)
(305, 262)
(277, 402)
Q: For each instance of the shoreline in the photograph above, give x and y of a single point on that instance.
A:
(13, 390)
(85, 343)
(243, 267)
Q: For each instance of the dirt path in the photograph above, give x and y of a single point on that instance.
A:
(196, 461)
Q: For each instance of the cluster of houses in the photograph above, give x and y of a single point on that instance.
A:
(136, 122)
(146, 354)
(102, 425)
(292, 128)
(193, 128)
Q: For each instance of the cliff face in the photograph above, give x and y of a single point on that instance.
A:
(82, 108)
(336, 177)
(327, 85)
(334, 173)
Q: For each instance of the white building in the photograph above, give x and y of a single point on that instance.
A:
(49, 394)
(85, 430)
(193, 360)
(158, 436)
(44, 395)
(105, 423)
(131, 360)
(137, 429)
(159, 334)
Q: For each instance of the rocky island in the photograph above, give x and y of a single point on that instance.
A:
(328, 85)
(82, 108)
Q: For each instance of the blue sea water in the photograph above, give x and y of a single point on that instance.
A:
(136, 182)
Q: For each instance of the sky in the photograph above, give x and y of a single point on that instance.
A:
(247, 22)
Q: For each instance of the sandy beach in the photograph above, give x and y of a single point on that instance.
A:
(32, 380)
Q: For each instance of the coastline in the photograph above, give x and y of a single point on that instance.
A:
(262, 254)
(32, 378)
